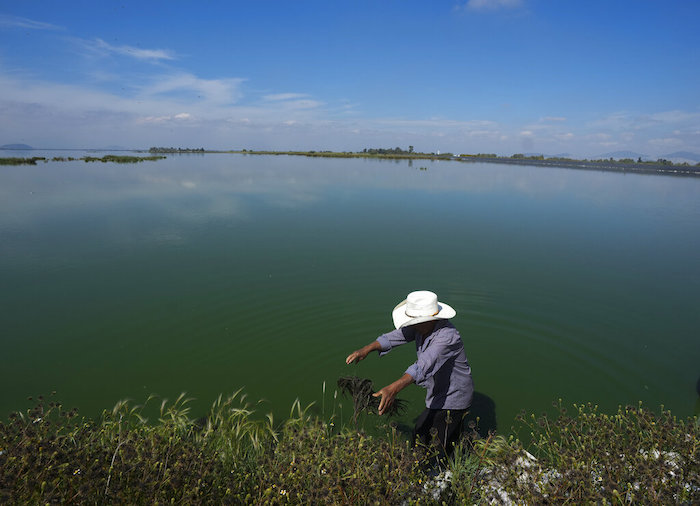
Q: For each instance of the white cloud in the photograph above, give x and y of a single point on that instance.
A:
(492, 4)
(616, 120)
(303, 104)
(183, 116)
(284, 96)
(437, 123)
(484, 134)
(666, 143)
(180, 108)
(624, 120)
(674, 116)
(649, 133)
(284, 102)
(598, 137)
(218, 91)
(19, 22)
(135, 52)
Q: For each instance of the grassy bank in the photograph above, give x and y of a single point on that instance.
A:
(237, 455)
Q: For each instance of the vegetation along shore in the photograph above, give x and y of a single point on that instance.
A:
(625, 165)
(659, 166)
(236, 455)
(104, 159)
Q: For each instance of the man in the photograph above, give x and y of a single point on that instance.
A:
(441, 367)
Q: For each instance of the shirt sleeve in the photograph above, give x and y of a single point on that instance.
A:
(442, 348)
(393, 339)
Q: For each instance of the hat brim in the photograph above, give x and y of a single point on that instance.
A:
(401, 319)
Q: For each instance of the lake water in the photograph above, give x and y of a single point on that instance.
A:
(206, 273)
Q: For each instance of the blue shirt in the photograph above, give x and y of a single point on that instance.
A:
(441, 367)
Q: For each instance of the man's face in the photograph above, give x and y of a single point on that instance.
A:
(424, 328)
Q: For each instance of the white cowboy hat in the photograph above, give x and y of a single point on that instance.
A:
(419, 307)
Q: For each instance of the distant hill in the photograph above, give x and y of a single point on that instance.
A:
(617, 155)
(15, 146)
(682, 155)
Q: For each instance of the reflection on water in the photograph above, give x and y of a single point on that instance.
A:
(207, 273)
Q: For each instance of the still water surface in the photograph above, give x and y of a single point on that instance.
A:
(206, 273)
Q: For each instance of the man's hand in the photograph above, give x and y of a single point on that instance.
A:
(388, 393)
(358, 355)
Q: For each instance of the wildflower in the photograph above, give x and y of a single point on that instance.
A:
(283, 492)
(77, 471)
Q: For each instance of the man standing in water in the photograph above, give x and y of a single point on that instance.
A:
(441, 366)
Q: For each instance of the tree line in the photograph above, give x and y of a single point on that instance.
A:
(175, 150)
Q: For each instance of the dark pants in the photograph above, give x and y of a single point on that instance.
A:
(439, 427)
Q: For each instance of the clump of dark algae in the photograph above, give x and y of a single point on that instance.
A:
(361, 391)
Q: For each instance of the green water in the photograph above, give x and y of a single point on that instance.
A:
(206, 273)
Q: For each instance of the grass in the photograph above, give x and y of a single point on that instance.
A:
(236, 454)
(103, 159)
(121, 158)
(348, 154)
(21, 161)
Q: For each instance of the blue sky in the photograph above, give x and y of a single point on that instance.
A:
(503, 76)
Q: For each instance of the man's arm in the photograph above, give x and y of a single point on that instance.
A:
(362, 353)
(389, 392)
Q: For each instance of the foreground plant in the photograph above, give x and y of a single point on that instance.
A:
(233, 455)
(312, 465)
(633, 456)
(236, 455)
(52, 455)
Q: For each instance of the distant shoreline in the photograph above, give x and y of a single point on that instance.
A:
(607, 166)
(650, 168)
